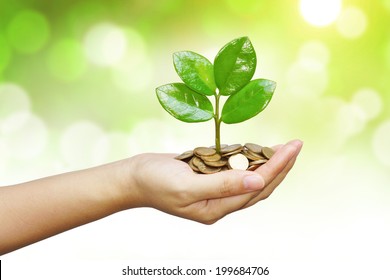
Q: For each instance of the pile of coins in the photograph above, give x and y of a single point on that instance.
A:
(207, 161)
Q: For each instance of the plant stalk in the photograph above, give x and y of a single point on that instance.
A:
(217, 121)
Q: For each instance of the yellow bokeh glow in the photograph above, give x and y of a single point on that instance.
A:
(320, 12)
(352, 22)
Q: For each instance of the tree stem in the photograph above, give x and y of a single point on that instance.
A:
(217, 125)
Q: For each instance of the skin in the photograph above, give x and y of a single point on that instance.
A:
(35, 210)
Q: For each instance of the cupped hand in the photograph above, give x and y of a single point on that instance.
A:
(169, 185)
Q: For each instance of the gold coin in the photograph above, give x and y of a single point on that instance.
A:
(202, 167)
(197, 161)
(238, 161)
(250, 155)
(203, 151)
(253, 147)
(258, 156)
(192, 165)
(231, 153)
(224, 168)
(207, 160)
(209, 169)
(253, 167)
(267, 152)
(221, 146)
(218, 163)
(258, 162)
(185, 155)
(231, 148)
(215, 157)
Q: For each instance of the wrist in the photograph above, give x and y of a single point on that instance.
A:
(127, 192)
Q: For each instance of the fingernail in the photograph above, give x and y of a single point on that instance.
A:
(253, 182)
(297, 144)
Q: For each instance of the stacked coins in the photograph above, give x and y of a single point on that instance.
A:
(207, 161)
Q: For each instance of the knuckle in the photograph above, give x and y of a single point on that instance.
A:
(209, 216)
(182, 195)
(265, 195)
(226, 187)
(212, 217)
(181, 192)
(208, 220)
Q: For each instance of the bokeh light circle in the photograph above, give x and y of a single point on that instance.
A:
(305, 80)
(134, 71)
(25, 135)
(81, 145)
(351, 119)
(105, 44)
(308, 76)
(144, 134)
(117, 145)
(320, 12)
(28, 31)
(66, 60)
(351, 23)
(369, 101)
(380, 143)
(314, 55)
(132, 76)
(12, 99)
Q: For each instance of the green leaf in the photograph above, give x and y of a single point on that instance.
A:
(196, 71)
(184, 104)
(248, 102)
(234, 65)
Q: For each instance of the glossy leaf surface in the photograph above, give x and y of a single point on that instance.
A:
(195, 71)
(184, 104)
(234, 65)
(248, 102)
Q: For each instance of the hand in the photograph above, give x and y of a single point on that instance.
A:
(169, 185)
(35, 210)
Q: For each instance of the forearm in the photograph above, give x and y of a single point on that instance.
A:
(35, 210)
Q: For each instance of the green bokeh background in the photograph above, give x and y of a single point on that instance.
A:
(78, 79)
(45, 50)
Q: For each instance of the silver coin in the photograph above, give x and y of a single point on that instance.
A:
(238, 161)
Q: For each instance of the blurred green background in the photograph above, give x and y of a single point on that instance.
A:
(77, 88)
(77, 78)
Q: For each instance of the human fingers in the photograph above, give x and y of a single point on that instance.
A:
(211, 210)
(268, 190)
(280, 177)
(279, 161)
(277, 147)
(235, 182)
(224, 184)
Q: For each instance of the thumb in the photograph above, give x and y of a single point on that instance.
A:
(226, 183)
